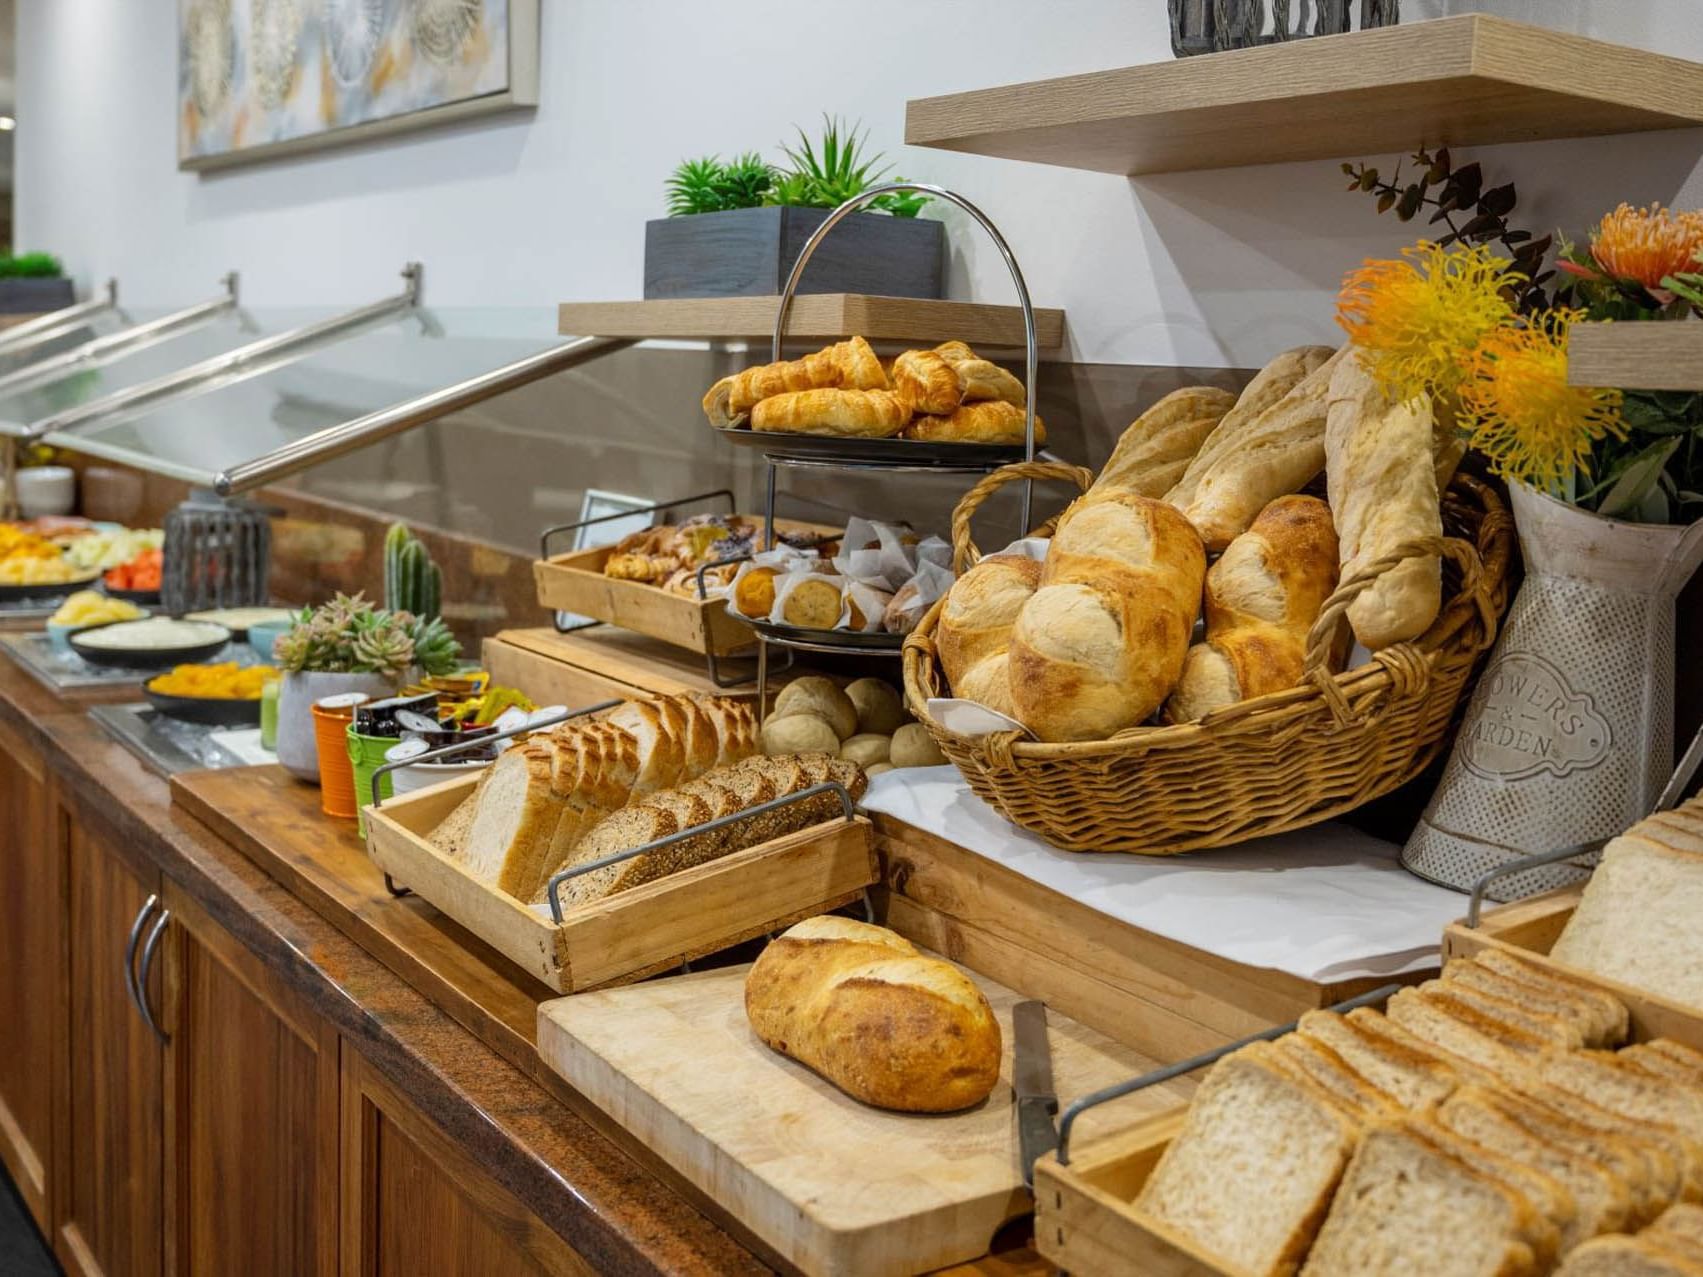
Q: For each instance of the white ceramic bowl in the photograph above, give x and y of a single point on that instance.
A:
(45, 490)
(405, 780)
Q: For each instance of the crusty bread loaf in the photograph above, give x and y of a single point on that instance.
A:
(1154, 453)
(871, 414)
(1408, 1206)
(849, 364)
(989, 421)
(1262, 597)
(1101, 643)
(1383, 490)
(980, 609)
(1637, 920)
(882, 1021)
(1250, 1175)
(1269, 385)
(1277, 453)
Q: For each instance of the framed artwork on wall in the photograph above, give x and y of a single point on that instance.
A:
(258, 78)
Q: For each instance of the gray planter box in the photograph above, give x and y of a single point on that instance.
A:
(748, 252)
(32, 296)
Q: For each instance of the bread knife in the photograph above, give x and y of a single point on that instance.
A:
(1036, 1100)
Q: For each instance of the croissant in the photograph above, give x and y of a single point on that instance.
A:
(980, 378)
(640, 567)
(992, 421)
(848, 364)
(927, 380)
(871, 414)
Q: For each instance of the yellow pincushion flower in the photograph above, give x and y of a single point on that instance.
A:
(1648, 244)
(1521, 412)
(1419, 320)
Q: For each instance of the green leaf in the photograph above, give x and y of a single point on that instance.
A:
(1637, 481)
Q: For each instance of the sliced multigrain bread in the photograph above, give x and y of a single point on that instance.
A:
(1611, 1020)
(1602, 1201)
(1414, 1080)
(618, 832)
(1622, 1256)
(1456, 1027)
(508, 839)
(450, 837)
(1649, 1173)
(1322, 1065)
(1408, 1206)
(1250, 1176)
(1637, 919)
(1380, 1026)
(1681, 1225)
(1558, 1032)
(1586, 1015)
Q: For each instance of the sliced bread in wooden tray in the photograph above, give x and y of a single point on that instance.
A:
(636, 932)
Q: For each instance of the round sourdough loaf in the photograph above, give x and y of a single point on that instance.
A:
(980, 610)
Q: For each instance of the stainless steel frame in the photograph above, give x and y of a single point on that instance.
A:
(103, 350)
(34, 331)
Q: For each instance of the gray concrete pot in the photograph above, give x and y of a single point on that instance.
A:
(298, 752)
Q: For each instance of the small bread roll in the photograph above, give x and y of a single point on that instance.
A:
(867, 749)
(813, 604)
(912, 746)
(798, 734)
(821, 696)
(754, 596)
(877, 769)
(980, 610)
(879, 706)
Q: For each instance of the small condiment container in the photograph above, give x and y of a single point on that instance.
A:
(332, 716)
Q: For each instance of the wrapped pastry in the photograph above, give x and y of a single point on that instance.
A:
(810, 601)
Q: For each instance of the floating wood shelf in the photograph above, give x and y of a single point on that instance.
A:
(1469, 80)
(1648, 355)
(821, 316)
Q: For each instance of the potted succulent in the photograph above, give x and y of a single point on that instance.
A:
(734, 229)
(33, 284)
(348, 645)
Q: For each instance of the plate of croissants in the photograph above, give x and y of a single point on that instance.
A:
(945, 405)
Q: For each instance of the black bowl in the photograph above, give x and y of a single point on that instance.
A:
(142, 598)
(215, 711)
(11, 593)
(145, 658)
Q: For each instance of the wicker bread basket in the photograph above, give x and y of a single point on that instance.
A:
(1277, 762)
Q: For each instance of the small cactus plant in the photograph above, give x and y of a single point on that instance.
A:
(412, 582)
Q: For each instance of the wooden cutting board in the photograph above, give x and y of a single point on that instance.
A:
(832, 1185)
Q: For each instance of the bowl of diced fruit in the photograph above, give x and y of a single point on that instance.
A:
(84, 610)
(138, 579)
(222, 695)
(31, 566)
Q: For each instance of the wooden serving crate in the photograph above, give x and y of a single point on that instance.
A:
(574, 582)
(1086, 1222)
(635, 933)
(1529, 929)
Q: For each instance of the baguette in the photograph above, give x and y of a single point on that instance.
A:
(1383, 490)
(880, 1020)
(1154, 453)
(850, 365)
(870, 414)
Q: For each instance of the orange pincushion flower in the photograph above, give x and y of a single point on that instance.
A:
(1521, 412)
(1648, 245)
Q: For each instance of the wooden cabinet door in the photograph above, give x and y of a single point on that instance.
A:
(31, 957)
(251, 1112)
(107, 1157)
(414, 1204)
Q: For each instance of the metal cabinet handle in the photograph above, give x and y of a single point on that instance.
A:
(148, 949)
(130, 986)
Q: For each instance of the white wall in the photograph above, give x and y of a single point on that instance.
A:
(1217, 268)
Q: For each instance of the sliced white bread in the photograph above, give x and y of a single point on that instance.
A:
(508, 839)
(1414, 1080)
(1660, 1063)
(450, 837)
(662, 750)
(1455, 1027)
(1407, 1206)
(1554, 1204)
(1602, 1201)
(1251, 1174)
(1687, 1058)
(1676, 1161)
(1651, 1176)
(1379, 1025)
(1605, 1079)
(1321, 1064)
(1612, 1021)
(1622, 1256)
(1587, 1016)
(1637, 919)
(1559, 1033)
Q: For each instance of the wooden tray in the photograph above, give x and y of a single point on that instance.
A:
(635, 933)
(832, 1185)
(575, 582)
(1530, 928)
(1085, 1219)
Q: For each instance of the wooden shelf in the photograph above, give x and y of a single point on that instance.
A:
(1469, 80)
(1647, 355)
(821, 316)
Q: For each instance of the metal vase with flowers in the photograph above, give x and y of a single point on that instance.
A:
(1569, 735)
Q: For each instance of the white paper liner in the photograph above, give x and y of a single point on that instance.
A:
(971, 719)
(916, 596)
(1342, 907)
(785, 558)
(871, 605)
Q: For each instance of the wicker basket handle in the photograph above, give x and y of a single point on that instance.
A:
(964, 552)
(1335, 611)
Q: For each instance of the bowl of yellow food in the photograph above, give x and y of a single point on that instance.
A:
(222, 695)
(83, 611)
(33, 567)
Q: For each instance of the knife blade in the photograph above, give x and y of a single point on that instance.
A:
(1036, 1100)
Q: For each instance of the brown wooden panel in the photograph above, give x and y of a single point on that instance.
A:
(107, 1195)
(252, 1117)
(414, 1203)
(31, 1005)
(1636, 356)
